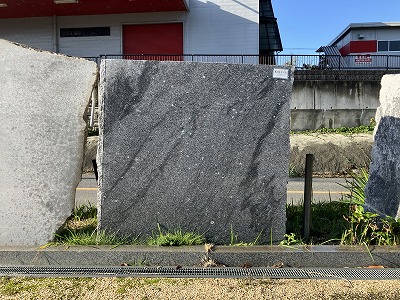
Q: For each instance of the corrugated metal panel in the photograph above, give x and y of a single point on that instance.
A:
(334, 58)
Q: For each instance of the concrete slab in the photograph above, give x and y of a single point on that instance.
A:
(42, 106)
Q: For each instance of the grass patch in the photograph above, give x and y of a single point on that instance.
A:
(366, 228)
(341, 130)
(234, 240)
(77, 237)
(175, 238)
(81, 229)
(14, 286)
(327, 222)
(337, 222)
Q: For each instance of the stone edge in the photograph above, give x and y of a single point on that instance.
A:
(197, 256)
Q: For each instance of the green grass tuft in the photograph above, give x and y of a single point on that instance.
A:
(175, 238)
(327, 222)
(340, 130)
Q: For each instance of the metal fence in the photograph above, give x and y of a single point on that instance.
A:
(300, 62)
(331, 63)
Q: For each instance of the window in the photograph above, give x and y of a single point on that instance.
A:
(86, 31)
(394, 45)
(384, 46)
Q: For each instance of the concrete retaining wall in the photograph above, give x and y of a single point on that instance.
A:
(334, 98)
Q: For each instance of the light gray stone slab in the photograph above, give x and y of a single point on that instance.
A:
(383, 187)
(43, 100)
(195, 146)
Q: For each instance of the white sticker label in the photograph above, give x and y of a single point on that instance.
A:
(281, 73)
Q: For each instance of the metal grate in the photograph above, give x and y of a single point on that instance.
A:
(290, 273)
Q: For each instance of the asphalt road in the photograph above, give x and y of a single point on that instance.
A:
(324, 189)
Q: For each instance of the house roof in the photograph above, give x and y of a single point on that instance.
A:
(46, 8)
(362, 25)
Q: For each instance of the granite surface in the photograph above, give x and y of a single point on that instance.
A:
(196, 146)
(383, 187)
(43, 100)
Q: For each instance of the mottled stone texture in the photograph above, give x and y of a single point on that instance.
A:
(197, 146)
(42, 104)
(383, 187)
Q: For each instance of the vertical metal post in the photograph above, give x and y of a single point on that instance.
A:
(96, 174)
(307, 196)
(94, 99)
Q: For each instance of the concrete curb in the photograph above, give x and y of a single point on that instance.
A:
(192, 256)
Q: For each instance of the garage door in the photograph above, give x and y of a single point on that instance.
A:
(165, 39)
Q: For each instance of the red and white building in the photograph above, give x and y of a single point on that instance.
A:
(368, 45)
(89, 28)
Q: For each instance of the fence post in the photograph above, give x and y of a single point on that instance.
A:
(307, 196)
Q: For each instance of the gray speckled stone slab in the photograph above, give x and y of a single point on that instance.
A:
(43, 100)
(383, 187)
(195, 146)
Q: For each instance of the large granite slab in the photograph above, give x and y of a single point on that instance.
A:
(43, 100)
(383, 187)
(194, 146)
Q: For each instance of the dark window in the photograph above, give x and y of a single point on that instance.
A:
(86, 31)
(394, 46)
(383, 46)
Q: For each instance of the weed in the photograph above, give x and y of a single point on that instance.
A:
(327, 221)
(233, 239)
(175, 238)
(356, 185)
(84, 212)
(13, 286)
(72, 237)
(341, 130)
(366, 228)
(291, 239)
(293, 172)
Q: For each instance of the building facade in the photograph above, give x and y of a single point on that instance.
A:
(87, 28)
(367, 45)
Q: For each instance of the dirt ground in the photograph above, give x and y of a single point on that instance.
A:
(210, 289)
(333, 153)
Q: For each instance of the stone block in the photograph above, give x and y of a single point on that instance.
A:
(383, 187)
(196, 146)
(42, 131)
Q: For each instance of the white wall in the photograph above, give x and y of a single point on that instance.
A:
(35, 32)
(211, 27)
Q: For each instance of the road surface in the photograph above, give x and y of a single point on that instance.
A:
(324, 189)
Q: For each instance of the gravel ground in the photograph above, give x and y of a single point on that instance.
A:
(211, 289)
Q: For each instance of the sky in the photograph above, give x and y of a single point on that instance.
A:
(305, 25)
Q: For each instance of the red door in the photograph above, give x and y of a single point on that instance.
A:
(162, 39)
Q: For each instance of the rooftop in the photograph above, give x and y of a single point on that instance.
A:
(363, 25)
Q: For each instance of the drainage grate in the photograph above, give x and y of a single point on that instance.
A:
(290, 273)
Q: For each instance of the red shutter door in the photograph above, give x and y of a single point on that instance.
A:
(165, 39)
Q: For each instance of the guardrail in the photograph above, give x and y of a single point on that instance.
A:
(300, 62)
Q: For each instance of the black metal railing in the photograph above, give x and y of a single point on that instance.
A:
(300, 62)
